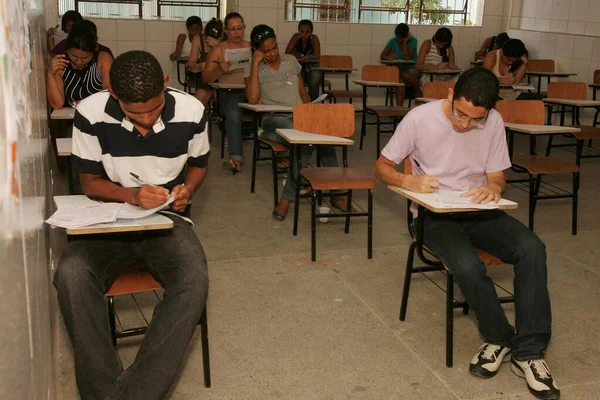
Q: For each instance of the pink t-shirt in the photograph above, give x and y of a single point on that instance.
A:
(459, 160)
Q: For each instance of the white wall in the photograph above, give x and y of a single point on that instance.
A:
(578, 17)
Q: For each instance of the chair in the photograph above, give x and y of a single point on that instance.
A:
(437, 90)
(597, 82)
(396, 113)
(339, 62)
(437, 265)
(532, 112)
(540, 65)
(136, 280)
(573, 91)
(333, 120)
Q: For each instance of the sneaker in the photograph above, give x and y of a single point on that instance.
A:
(488, 359)
(538, 377)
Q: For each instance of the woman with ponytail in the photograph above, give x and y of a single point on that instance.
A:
(436, 54)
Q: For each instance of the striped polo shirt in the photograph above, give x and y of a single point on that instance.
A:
(106, 143)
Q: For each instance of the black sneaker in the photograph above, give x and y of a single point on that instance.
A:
(538, 377)
(488, 359)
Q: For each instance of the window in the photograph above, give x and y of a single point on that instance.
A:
(425, 12)
(144, 9)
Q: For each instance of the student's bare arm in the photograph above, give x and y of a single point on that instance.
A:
(385, 171)
(193, 63)
(212, 68)
(178, 47)
(104, 62)
(55, 86)
(483, 50)
(146, 196)
(292, 43)
(387, 53)
(316, 55)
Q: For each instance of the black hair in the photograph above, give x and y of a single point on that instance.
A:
(478, 86)
(443, 35)
(306, 22)
(260, 33)
(214, 29)
(401, 30)
(136, 77)
(70, 15)
(514, 48)
(501, 39)
(83, 36)
(193, 20)
(231, 16)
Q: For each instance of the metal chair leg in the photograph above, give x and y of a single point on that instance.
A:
(549, 147)
(205, 352)
(348, 208)
(111, 320)
(531, 200)
(407, 276)
(377, 151)
(370, 226)
(575, 202)
(449, 319)
(275, 182)
(255, 156)
(313, 227)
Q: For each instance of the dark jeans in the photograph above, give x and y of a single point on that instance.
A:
(233, 122)
(312, 79)
(87, 269)
(455, 237)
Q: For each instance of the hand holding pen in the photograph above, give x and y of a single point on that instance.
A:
(148, 195)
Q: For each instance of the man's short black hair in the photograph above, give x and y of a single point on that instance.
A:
(136, 77)
(401, 30)
(306, 22)
(193, 20)
(478, 86)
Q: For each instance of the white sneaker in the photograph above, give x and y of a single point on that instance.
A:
(489, 358)
(538, 377)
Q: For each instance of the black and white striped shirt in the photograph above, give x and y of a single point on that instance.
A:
(80, 84)
(106, 143)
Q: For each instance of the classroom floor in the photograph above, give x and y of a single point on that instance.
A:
(283, 327)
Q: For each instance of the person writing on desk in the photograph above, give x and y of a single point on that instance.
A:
(403, 46)
(437, 54)
(306, 47)
(276, 80)
(459, 144)
(140, 127)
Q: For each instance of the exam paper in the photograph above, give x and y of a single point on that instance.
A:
(77, 217)
(452, 199)
(319, 99)
(129, 211)
(240, 58)
(523, 86)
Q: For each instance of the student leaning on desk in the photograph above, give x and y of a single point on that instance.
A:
(459, 144)
(143, 127)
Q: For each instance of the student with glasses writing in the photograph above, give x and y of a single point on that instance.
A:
(459, 144)
(80, 71)
(218, 69)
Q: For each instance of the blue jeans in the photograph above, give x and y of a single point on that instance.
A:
(454, 239)
(87, 269)
(312, 79)
(233, 122)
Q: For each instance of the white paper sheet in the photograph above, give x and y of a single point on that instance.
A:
(319, 99)
(240, 58)
(450, 199)
(129, 211)
(76, 217)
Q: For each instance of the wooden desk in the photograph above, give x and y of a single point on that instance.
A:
(63, 113)
(334, 70)
(380, 84)
(151, 223)
(397, 62)
(229, 87)
(423, 100)
(294, 136)
(432, 73)
(476, 63)
(429, 202)
(595, 87)
(266, 108)
(564, 103)
(548, 75)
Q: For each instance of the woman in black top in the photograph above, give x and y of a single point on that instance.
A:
(79, 72)
(306, 47)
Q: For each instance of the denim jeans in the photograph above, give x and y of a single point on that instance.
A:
(86, 270)
(233, 122)
(312, 79)
(454, 239)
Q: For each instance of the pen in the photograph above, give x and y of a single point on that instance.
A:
(137, 177)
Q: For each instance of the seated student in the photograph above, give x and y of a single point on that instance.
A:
(490, 44)
(509, 64)
(306, 47)
(144, 127)
(61, 47)
(55, 36)
(217, 69)
(403, 47)
(459, 144)
(78, 72)
(184, 42)
(276, 79)
(436, 57)
(201, 46)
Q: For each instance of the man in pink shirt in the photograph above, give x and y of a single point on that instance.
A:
(459, 144)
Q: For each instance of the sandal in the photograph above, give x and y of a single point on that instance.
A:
(233, 166)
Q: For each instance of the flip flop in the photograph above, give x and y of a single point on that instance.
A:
(278, 216)
(232, 166)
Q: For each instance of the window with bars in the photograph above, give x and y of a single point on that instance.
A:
(425, 12)
(143, 9)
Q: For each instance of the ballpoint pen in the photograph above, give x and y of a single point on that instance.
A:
(137, 177)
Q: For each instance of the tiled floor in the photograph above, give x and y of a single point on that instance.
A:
(282, 327)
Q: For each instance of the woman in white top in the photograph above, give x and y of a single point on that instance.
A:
(437, 54)
(184, 42)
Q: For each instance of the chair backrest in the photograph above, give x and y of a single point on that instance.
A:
(325, 119)
(541, 65)
(597, 76)
(567, 90)
(437, 90)
(379, 73)
(335, 61)
(521, 111)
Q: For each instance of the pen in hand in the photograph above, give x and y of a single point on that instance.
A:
(140, 180)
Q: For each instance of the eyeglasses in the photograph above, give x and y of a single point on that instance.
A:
(82, 59)
(236, 29)
(476, 122)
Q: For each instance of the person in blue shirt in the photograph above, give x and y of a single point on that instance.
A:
(403, 47)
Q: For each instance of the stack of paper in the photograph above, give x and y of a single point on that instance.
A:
(80, 211)
(450, 199)
(523, 86)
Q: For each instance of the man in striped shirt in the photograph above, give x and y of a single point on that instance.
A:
(159, 134)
